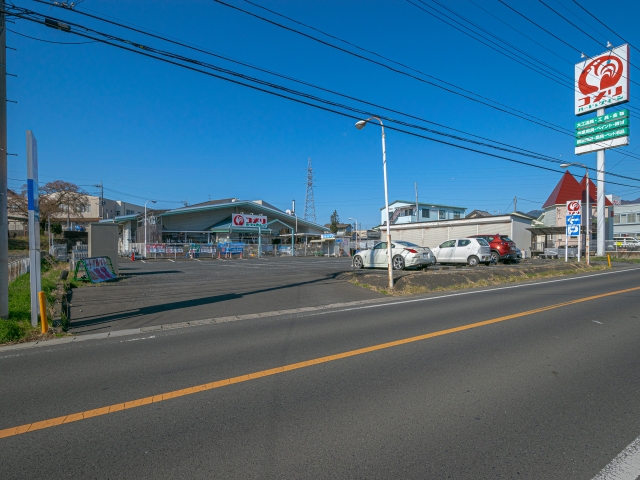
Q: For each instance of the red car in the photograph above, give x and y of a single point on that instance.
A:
(502, 248)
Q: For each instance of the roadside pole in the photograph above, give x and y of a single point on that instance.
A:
(4, 221)
(600, 163)
(34, 224)
(566, 245)
(259, 241)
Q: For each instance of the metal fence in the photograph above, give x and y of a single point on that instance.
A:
(622, 246)
(18, 267)
(78, 252)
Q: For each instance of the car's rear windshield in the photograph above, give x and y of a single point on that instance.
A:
(407, 244)
(482, 242)
(505, 238)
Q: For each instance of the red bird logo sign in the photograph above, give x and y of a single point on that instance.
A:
(602, 81)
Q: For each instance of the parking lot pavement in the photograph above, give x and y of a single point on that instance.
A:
(157, 292)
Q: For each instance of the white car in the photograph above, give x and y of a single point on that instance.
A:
(403, 254)
(471, 251)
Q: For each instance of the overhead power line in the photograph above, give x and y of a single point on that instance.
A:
(521, 151)
(47, 41)
(152, 53)
(500, 107)
(603, 24)
(592, 38)
(567, 81)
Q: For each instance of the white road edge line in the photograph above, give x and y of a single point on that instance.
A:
(625, 466)
(476, 291)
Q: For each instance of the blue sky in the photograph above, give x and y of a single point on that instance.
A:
(156, 131)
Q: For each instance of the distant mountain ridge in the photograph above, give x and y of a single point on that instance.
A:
(629, 202)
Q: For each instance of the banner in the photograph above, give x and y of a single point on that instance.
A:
(156, 248)
(97, 269)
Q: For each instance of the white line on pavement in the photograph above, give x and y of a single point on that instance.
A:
(173, 261)
(475, 292)
(625, 466)
(143, 261)
(598, 322)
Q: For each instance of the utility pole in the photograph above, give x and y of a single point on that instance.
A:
(4, 221)
(515, 204)
(101, 206)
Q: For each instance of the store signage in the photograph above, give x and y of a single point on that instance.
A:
(242, 220)
(600, 137)
(610, 117)
(328, 236)
(574, 207)
(603, 81)
(603, 127)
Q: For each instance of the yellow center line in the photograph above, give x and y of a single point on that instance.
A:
(54, 422)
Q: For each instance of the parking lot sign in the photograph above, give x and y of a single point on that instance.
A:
(573, 230)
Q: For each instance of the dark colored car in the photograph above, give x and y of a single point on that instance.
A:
(502, 248)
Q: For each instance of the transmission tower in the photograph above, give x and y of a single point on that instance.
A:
(309, 204)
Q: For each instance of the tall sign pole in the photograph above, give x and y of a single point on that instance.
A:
(4, 221)
(600, 164)
(602, 81)
(34, 223)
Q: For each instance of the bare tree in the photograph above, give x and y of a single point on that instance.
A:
(56, 198)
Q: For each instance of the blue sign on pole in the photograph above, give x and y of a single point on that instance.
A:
(573, 230)
(574, 219)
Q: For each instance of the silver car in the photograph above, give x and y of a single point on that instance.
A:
(403, 255)
(471, 251)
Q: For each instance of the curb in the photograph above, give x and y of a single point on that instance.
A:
(233, 318)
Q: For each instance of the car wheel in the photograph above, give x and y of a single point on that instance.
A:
(398, 262)
(473, 261)
(357, 262)
(495, 257)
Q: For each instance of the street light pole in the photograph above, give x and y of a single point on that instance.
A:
(144, 254)
(588, 208)
(355, 248)
(360, 125)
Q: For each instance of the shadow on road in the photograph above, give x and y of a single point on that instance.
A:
(196, 302)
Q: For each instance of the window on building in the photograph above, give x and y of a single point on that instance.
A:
(442, 214)
(456, 215)
(407, 212)
(117, 212)
(631, 218)
(623, 219)
(616, 219)
(425, 213)
(130, 212)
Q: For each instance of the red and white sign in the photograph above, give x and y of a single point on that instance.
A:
(602, 81)
(242, 220)
(574, 207)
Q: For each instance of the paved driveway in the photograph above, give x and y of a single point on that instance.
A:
(162, 291)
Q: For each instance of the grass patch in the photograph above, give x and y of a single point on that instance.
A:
(18, 326)
(617, 259)
(496, 280)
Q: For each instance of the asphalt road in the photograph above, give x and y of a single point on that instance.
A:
(162, 291)
(547, 390)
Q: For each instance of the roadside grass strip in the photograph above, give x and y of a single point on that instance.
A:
(54, 422)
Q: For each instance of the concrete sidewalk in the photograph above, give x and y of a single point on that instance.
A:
(162, 292)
